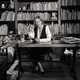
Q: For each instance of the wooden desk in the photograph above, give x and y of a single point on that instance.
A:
(55, 43)
(46, 44)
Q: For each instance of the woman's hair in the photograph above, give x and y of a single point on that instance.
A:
(38, 17)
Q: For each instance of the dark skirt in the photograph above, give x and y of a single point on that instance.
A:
(37, 53)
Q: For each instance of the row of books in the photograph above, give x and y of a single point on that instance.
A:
(70, 2)
(54, 28)
(44, 6)
(70, 28)
(40, 6)
(25, 28)
(3, 29)
(30, 16)
(70, 14)
(7, 16)
(8, 4)
(66, 28)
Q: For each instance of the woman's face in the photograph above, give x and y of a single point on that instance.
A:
(38, 22)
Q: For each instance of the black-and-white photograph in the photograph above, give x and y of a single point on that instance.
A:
(39, 39)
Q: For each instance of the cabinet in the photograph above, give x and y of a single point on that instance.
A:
(48, 10)
(7, 17)
(70, 17)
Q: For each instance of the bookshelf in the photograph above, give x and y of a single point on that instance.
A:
(63, 16)
(7, 16)
(48, 10)
(70, 17)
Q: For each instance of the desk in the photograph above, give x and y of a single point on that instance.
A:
(55, 43)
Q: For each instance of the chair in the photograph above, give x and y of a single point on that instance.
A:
(5, 62)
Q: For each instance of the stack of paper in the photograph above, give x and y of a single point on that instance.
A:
(70, 40)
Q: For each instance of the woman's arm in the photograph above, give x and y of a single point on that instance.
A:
(48, 34)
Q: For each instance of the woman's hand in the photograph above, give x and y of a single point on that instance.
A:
(31, 34)
(37, 40)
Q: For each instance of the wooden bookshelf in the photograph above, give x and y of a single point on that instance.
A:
(48, 10)
(7, 16)
(65, 14)
(70, 17)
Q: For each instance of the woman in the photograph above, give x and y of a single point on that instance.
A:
(41, 34)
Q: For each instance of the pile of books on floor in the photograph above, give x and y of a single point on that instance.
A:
(70, 40)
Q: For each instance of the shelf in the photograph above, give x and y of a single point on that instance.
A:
(5, 22)
(70, 21)
(1, 1)
(36, 0)
(37, 10)
(6, 9)
(32, 21)
(6, 34)
(3, 34)
(67, 35)
(49, 10)
(71, 7)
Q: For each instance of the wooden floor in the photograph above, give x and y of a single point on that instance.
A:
(55, 71)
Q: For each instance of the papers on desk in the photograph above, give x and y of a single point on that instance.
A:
(26, 41)
(45, 42)
(33, 42)
(70, 40)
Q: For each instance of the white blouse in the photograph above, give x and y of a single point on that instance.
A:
(48, 34)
